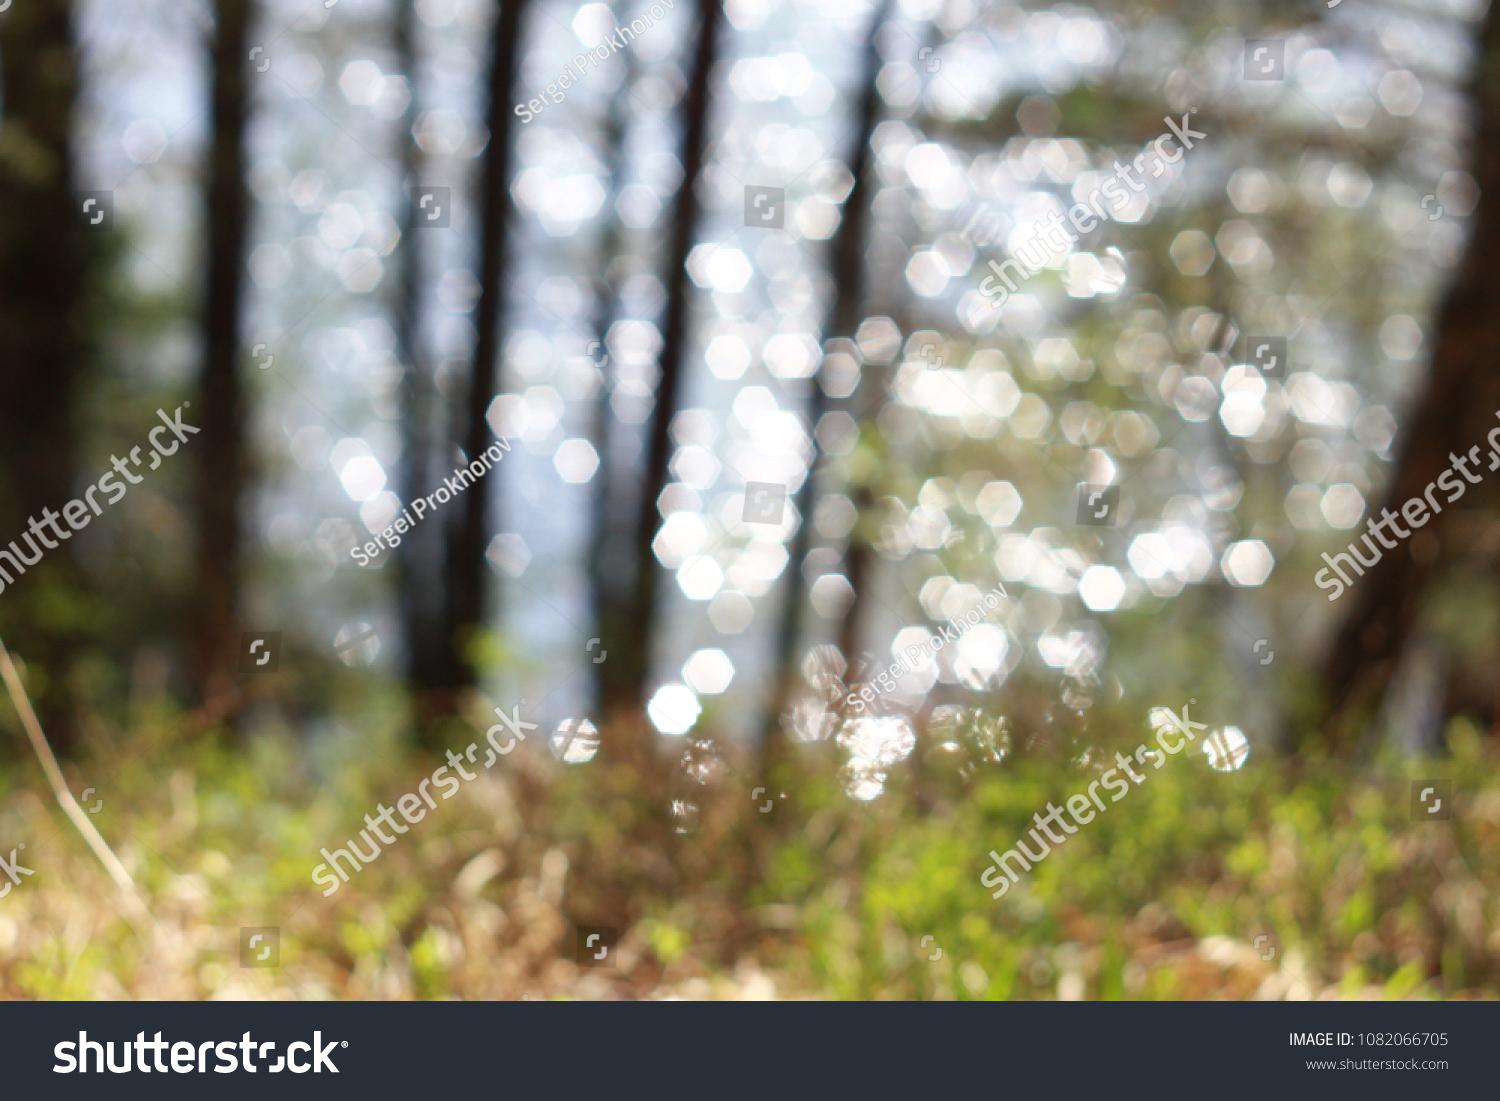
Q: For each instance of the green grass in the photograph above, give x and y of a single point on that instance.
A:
(1162, 896)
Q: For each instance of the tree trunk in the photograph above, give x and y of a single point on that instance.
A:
(847, 266)
(611, 551)
(422, 550)
(221, 454)
(625, 681)
(44, 255)
(465, 569)
(1454, 413)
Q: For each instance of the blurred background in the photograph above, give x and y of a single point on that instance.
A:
(721, 287)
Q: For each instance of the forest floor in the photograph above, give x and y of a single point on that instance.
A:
(1282, 879)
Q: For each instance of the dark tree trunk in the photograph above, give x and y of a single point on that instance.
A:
(1454, 413)
(611, 552)
(859, 561)
(221, 452)
(44, 256)
(465, 569)
(421, 551)
(625, 681)
(847, 266)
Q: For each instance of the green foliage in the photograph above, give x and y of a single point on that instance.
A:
(1162, 895)
(1323, 860)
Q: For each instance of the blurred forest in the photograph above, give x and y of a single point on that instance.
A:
(718, 280)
